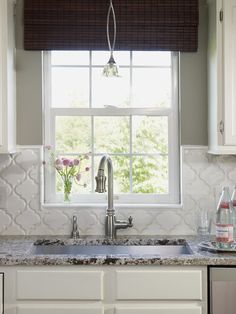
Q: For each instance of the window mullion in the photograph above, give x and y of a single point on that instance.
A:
(131, 155)
(92, 121)
(131, 78)
(130, 125)
(111, 112)
(90, 79)
(92, 154)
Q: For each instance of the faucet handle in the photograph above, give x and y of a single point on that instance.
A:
(130, 221)
(75, 231)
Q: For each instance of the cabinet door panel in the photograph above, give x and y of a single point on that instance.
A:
(159, 285)
(178, 309)
(57, 309)
(59, 285)
(7, 77)
(229, 30)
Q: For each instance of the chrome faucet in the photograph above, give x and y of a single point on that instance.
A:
(111, 223)
(75, 230)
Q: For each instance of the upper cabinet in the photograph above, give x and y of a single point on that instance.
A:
(229, 59)
(222, 77)
(7, 77)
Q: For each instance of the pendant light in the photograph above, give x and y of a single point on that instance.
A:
(111, 68)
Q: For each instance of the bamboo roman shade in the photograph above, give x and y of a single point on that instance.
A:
(81, 24)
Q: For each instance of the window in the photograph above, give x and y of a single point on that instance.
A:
(133, 118)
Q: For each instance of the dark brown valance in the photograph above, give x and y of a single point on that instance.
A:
(81, 24)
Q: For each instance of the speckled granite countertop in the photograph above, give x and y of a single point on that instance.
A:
(20, 251)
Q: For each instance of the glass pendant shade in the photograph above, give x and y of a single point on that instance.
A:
(111, 69)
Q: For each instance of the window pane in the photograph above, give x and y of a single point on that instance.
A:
(110, 91)
(151, 87)
(70, 57)
(150, 174)
(111, 134)
(102, 57)
(73, 134)
(150, 134)
(83, 186)
(152, 58)
(121, 168)
(70, 87)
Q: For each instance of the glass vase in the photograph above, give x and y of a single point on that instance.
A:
(67, 190)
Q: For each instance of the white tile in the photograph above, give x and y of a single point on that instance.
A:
(203, 178)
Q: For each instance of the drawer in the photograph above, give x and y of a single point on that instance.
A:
(177, 309)
(59, 285)
(57, 309)
(159, 285)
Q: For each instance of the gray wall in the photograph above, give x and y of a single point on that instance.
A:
(28, 88)
(193, 80)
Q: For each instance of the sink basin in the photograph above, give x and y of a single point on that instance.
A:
(105, 250)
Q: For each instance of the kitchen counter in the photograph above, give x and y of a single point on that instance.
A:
(20, 251)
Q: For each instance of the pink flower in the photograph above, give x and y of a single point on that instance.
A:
(76, 162)
(71, 164)
(58, 167)
(58, 161)
(78, 177)
(87, 168)
(65, 162)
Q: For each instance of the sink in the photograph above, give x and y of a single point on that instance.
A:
(105, 250)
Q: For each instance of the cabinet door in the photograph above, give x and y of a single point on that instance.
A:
(1, 294)
(7, 77)
(159, 285)
(229, 59)
(2, 65)
(59, 285)
(58, 309)
(159, 309)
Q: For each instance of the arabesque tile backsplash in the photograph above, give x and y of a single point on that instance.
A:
(203, 176)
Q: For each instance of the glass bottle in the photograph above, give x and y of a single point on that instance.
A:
(233, 200)
(224, 221)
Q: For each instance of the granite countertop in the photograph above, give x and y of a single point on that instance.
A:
(20, 251)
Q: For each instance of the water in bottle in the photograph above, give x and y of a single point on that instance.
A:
(224, 221)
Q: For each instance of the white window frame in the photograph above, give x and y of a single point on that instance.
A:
(173, 197)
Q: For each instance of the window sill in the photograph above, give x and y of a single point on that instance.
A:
(117, 206)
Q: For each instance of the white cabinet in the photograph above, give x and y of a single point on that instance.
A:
(1, 293)
(159, 284)
(105, 290)
(59, 285)
(229, 62)
(222, 77)
(161, 309)
(59, 309)
(7, 77)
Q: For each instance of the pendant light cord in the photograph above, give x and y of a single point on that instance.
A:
(111, 10)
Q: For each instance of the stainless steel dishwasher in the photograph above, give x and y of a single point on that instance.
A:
(222, 290)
